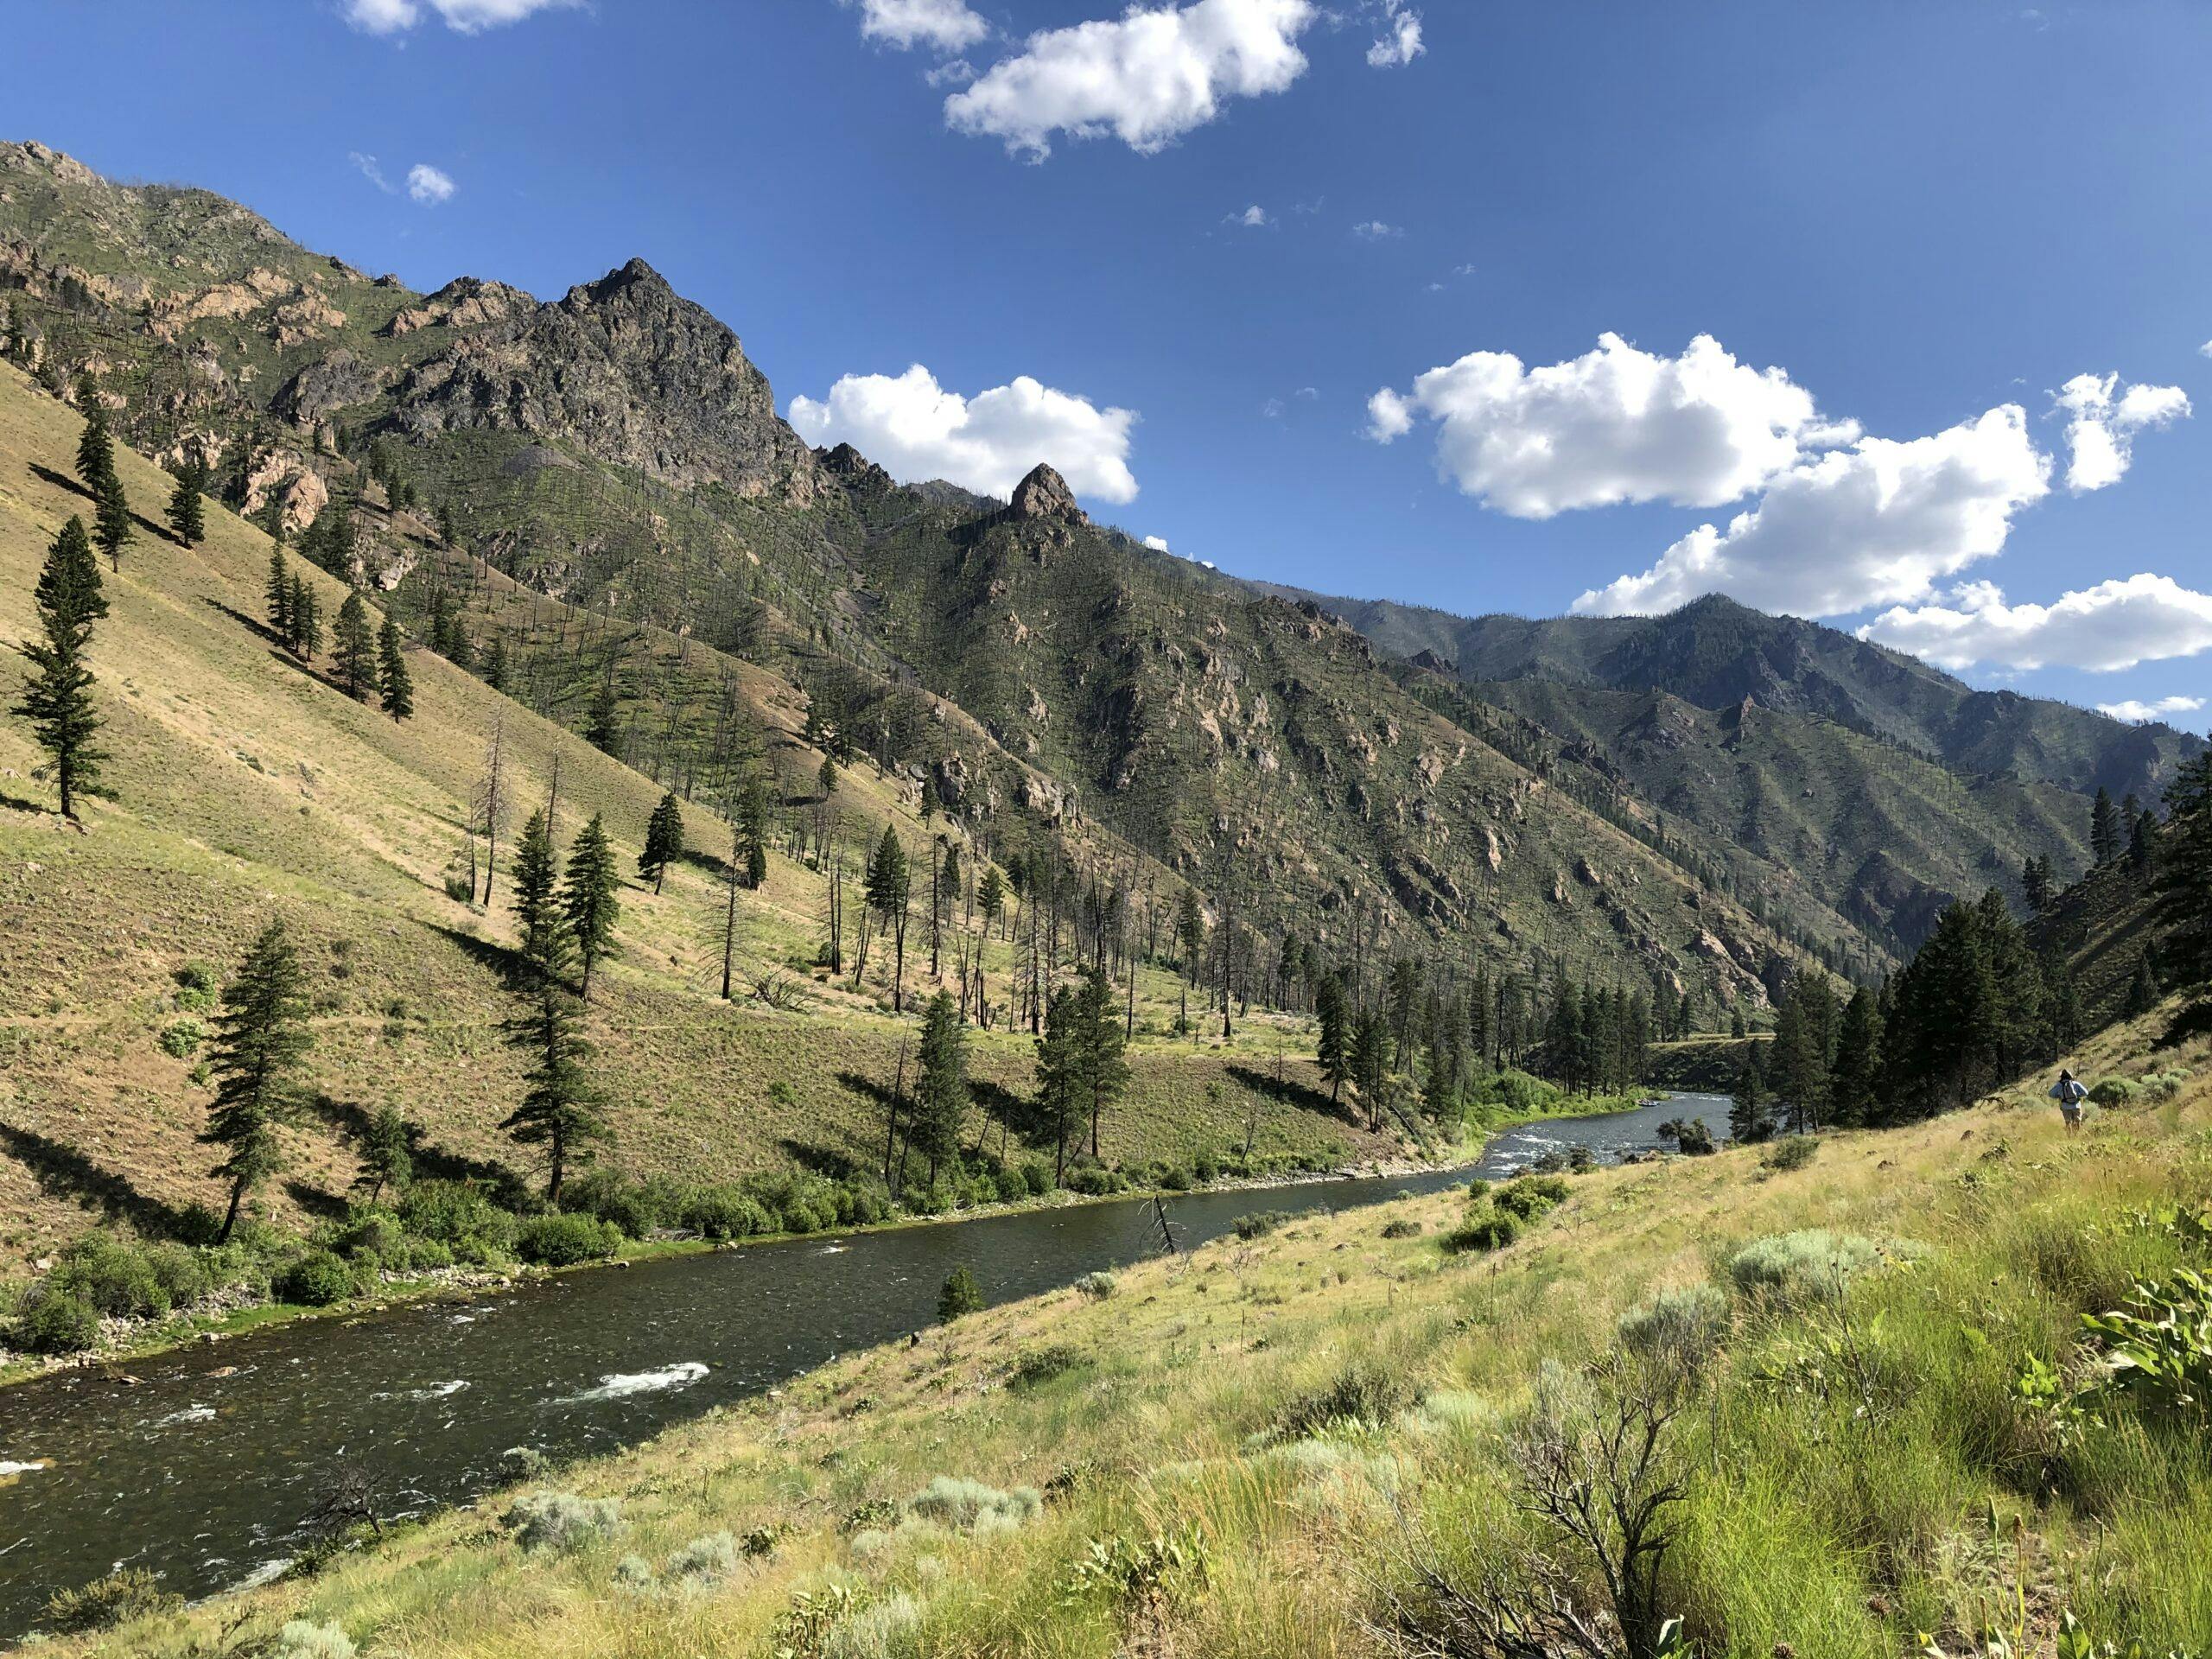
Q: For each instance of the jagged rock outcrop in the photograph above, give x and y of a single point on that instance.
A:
(1044, 495)
(628, 371)
(853, 469)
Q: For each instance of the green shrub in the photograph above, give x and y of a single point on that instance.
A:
(1530, 1196)
(2159, 1345)
(315, 1280)
(561, 1522)
(1207, 1167)
(1038, 1178)
(1176, 1178)
(562, 1240)
(1681, 1327)
(1491, 1229)
(126, 1593)
(1403, 1227)
(1097, 1286)
(1260, 1223)
(722, 1211)
(1037, 1366)
(705, 1560)
(1812, 1265)
(373, 1239)
(180, 1041)
(1791, 1152)
(610, 1196)
(1475, 1190)
(428, 1255)
(524, 1463)
(112, 1274)
(197, 987)
(302, 1638)
(972, 1506)
(2112, 1092)
(56, 1322)
(960, 1297)
(1367, 1390)
(461, 1217)
(179, 1272)
(1093, 1180)
(1010, 1186)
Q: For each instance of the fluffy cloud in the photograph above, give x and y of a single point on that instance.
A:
(942, 25)
(916, 430)
(1874, 524)
(427, 185)
(1157, 543)
(1400, 43)
(1147, 77)
(1375, 230)
(1615, 424)
(464, 16)
(1251, 219)
(2136, 712)
(2103, 422)
(2113, 625)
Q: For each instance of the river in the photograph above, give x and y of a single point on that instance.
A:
(205, 1468)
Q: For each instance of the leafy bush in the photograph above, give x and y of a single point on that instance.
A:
(960, 1297)
(524, 1463)
(302, 1638)
(561, 1522)
(428, 1255)
(1475, 1190)
(197, 987)
(372, 1238)
(723, 1212)
(2159, 1345)
(1403, 1227)
(610, 1196)
(1812, 1265)
(180, 1273)
(1097, 1286)
(1680, 1328)
(126, 1593)
(972, 1506)
(1791, 1152)
(181, 1039)
(315, 1280)
(1038, 1178)
(113, 1276)
(461, 1217)
(1207, 1167)
(55, 1322)
(562, 1240)
(1261, 1222)
(705, 1560)
(1491, 1230)
(1010, 1186)
(1094, 1180)
(1036, 1366)
(1530, 1196)
(1365, 1391)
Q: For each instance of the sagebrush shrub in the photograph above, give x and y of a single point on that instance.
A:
(1815, 1264)
(1791, 1152)
(704, 1561)
(1484, 1230)
(963, 1505)
(55, 1322)
(1097, 1286)
(562, 1521)
(1366, 1390)
(1681, 1328)
(302, 1638)
(126, 1593)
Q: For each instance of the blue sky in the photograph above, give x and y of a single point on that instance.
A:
(1920, 216)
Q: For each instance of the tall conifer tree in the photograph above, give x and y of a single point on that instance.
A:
(261, 1035)
(57, 699)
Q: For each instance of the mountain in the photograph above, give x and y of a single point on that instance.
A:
(1886, 785)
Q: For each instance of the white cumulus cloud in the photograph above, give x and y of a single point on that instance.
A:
(2102, 421)
(463, 17)
(1374, 230)
(1157, 543)
(916, 430)
(1613, 425)
(1147, 77)
(1873, 525)
(942, 25)
(427, 185)
(1251, 219)
(2113, 625)
(1400, 42)
(2135, 711)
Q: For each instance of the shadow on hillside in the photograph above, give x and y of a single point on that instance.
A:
(253, 625)
(713, 864)
(1283, 1092)
(1022, 1116)
(822, 1160)
(2194, 1020)
(322, 1206)
(502, 959)
(63, 1172)
(21, 804)
(63, 481)
(278, 650)
(432, 1162)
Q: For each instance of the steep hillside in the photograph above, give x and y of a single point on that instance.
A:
(246, 786)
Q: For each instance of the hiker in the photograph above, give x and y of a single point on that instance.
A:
(2069, 1094)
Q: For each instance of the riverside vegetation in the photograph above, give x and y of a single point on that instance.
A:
(1935, 1388)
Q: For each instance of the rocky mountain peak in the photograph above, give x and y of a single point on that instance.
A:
(1044, 494)
(634, 282)
(854, 469)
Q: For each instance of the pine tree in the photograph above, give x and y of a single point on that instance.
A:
(826, 778)
(307, 619)
(2104, 828)
(1059, 1072)
(278, 593)
(186, 521)
(261, 1037)
(664, 841)
(329, 541)
(1332, 1050)
(2142, 989)
(587, 901)
(1102, 1041)
(1370, 1041)
(112, 520)
(57, 699)
(353, 648)
(960, 1297)
(1858, 1061)
(941, 1087)
(885, 893)
(387, 1160)
(559, 1110)
(535, 902)
(395, 685)
(493, 665)
(752, 832)
(1748, 1117)
(991, 896)
(603, 725)
(2182, 889)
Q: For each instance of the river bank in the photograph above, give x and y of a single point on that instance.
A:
(125, 1343)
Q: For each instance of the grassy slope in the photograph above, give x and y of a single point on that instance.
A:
(1810, 1521)
(246, 787)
